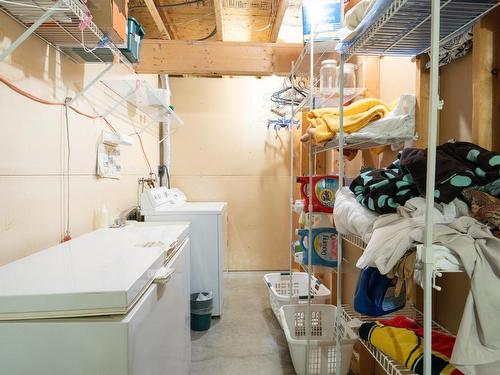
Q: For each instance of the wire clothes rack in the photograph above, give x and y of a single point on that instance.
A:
(398, 28)
(67, 26)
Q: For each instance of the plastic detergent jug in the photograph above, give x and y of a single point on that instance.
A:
(375, 294)
(324, 246)
(323, 198)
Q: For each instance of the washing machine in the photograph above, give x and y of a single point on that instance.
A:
(208, 235)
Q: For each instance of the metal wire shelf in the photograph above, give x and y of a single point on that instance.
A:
(57, 23)
(390, 366)
(437, 272)
(360, 144)
(327, 100)
(404, 28)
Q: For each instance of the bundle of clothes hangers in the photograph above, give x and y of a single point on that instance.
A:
(386, 208)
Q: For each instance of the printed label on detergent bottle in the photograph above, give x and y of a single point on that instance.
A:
(325, 191)
(324, 188)
(325, 245)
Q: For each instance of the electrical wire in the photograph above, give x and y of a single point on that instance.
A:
(92, 117)
(143, 149)
(170, 5)
(85, 48)
(214, 31)
(47, 102)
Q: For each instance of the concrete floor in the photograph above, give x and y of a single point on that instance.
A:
(247, 339)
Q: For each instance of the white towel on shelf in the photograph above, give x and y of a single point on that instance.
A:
(351, 217)
(400, 123)
(394, 234)
(444, 259)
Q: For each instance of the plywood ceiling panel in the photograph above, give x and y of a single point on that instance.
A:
(242, 20)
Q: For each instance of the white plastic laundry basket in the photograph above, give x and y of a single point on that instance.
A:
(279, 290)
(322, 355)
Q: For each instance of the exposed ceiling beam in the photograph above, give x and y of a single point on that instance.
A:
(217, 58)
(218, 20)
(278, 19)
(153, 10)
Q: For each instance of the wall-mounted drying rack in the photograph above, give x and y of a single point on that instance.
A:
(142, 96)
(66, 26)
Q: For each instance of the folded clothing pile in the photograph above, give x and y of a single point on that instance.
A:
(356, 116)
(485, 208)
(459, 165)
(401, 338)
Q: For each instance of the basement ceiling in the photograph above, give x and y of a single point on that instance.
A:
(241, 20)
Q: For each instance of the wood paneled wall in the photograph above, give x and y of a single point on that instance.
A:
(32, 148)
(226, 153)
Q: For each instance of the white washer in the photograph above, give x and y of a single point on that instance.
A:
(208, 235)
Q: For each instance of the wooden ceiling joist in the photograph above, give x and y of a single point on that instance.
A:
(219, 24)
(155, 15)
(217, 58)
(278, 19)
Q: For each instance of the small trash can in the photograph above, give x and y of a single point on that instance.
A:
(201, 311)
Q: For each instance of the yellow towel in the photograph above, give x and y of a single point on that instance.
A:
(356, 116)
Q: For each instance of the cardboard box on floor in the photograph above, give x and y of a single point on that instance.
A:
(111, 17)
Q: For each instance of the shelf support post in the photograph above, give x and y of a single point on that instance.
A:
(338, 320)
(30, 30)
(91, 83)
(430, 184)
(292, 182)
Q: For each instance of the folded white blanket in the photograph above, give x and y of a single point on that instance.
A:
(394, 234)
(351, 217)
(400, 123)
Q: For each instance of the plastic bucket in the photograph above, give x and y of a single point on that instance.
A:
(201, 312)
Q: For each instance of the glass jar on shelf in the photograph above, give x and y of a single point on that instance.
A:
(349, 79)
(327, 77)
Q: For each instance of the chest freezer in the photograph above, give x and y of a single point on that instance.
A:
(208, 235)
(113, 302)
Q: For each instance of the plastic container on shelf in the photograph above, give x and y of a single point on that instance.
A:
(322, 351)
(324, 251)
(323, 198)
(135, 34)
(349, 78)
(279, 290)
(375, 294)
(328, 77)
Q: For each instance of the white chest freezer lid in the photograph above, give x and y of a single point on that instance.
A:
(100, 273)
(199, 208)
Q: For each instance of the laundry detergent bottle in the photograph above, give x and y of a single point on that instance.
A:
(324, 252)
(324, 188)
(376, 294)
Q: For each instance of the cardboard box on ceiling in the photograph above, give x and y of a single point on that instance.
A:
(111, 17)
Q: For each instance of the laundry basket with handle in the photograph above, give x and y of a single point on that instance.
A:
(322, 343)
(279, 290)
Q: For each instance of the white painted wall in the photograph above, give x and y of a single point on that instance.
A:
(32, 144)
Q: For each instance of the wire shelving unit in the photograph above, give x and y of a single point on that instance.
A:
(400, 28)
(58, 24)
(389, 365)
